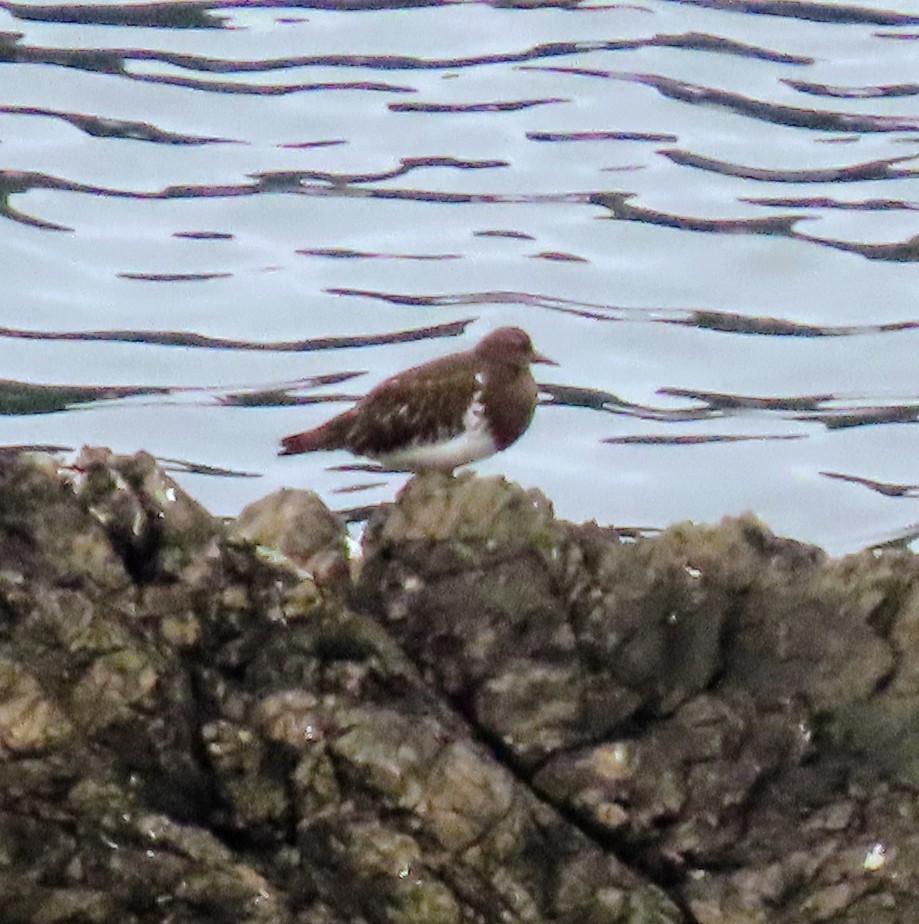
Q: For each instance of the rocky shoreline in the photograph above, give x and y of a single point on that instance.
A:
(493, 716)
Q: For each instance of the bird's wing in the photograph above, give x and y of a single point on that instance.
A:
(425, 404)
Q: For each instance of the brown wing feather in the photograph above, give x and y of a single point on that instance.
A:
(419, 405)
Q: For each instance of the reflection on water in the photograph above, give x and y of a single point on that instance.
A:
(705, 209)
(200, 341)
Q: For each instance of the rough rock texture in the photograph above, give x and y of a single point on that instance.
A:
(731, 713)
(298, 526)
(507, 718)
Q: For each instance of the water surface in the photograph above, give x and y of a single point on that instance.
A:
(223, 222)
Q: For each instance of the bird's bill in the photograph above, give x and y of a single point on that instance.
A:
(539, 358)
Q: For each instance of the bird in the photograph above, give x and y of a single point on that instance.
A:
(443, 414)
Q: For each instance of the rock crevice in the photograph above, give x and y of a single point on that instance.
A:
(495, 716)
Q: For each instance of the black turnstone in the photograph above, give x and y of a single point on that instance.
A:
(442, 414)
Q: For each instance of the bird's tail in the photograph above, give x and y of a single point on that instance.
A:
(307, 441)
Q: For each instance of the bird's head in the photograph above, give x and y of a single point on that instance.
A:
(510, 346)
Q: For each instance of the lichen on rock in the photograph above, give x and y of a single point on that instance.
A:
(505, 718)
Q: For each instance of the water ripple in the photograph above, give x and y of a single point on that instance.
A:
(705, 211)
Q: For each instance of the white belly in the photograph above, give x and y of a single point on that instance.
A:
(476, 443)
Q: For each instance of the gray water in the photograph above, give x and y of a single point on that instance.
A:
(221, 223)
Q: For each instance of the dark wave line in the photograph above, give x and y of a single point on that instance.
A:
(173, 277)
(847, 418)
(618, 204)
(21, 398)
(706, 319)
(292, 179)
(895, 252)
(20, 181)
(103, 127)
(693, 41)
(199, 468)
(346, 253)
(596, 399)
(460, 108)
(188, 14)
(203, 235)
(202, 341)
(888, 91)
(162, 15)
(13, 182)
(721, 401)
(698, 440)
(888, 489)
(114, 61)
(815, 12)
(257, 89)
(509, 235)
(809, 408)
(815, 119)
(622, 210)
(733, 323)
(658, 137)
(762, 110)
(870, 170)
(558, 256)
(824, 202)
(26, 398)
(703, 41)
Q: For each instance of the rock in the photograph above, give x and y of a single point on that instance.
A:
(45, 535)
(30, 723)
(153, 525)
(690, 697)
(299, 526)
(507, 718)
